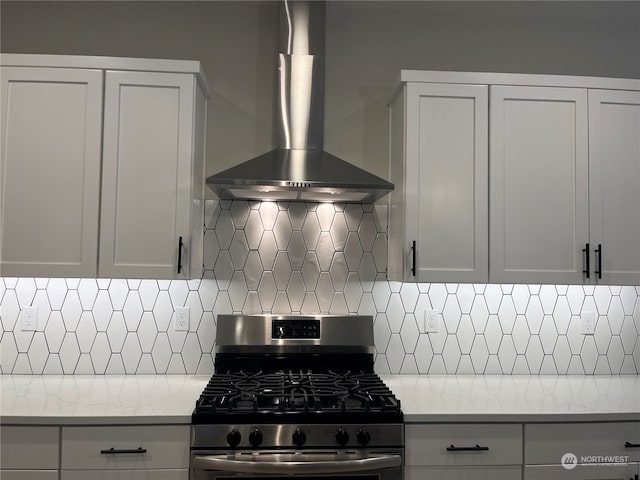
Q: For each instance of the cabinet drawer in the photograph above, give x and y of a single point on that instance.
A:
(427, 444)
(27, 447)
(182, 474)
(546, 443)
(463, 473)
(166, 447)
(29, 474)
(593, 472)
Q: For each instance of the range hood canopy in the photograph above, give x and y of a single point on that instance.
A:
(299, 169)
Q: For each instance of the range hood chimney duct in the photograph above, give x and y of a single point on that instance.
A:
(299, 169)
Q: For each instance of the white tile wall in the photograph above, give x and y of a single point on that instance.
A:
(314, 258)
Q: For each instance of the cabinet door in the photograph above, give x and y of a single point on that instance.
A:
(546, 443)
(177, 474)
(29, 474)
(154, 447)
(146, 174)
(614, 185)
(539, 184)
(51, 123)
(28, 447)
(463, 473)
(448, 445)
(580, 472)
(447, 181)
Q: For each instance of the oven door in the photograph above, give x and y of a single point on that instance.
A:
(301, 465)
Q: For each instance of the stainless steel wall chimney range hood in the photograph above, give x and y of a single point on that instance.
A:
(299, 169)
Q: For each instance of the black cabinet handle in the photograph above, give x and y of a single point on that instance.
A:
(585, 250)
(180, 254)
(413, 258)
(631, 445)
(477, 448)
(599, 254)
(113, 451)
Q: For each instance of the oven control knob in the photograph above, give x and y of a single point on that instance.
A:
(298, 437)
(342, 436)
(233, 438)
(363, 437)
(255, 437)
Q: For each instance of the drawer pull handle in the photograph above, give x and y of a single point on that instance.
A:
(631, 445)
(477, 448)
(113, 451)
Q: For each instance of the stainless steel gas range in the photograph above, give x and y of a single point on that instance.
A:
(296, 396)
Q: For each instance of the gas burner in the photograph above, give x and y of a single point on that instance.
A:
(259, 395)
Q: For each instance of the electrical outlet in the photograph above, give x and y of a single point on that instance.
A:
(29, 319)
(431, 321)
(181, 319)
(588, 323)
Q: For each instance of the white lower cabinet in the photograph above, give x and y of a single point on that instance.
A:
(29, 452)
(182, 474)
(463, 473)
(582, 451)
(29, 474)
(125, 452)
(463, 451)
(592, 472)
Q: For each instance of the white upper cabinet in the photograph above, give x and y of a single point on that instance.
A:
(539, 184)
(147, 185)
(614, 185)
(439, 166)
(554, 160)
(136, 170)
(51, 123)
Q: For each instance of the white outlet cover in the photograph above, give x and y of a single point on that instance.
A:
(588, 323)
(431, 321)
(181, 319)
(29, 319)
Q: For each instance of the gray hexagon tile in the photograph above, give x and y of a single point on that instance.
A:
(56, 291)
(25, 290)
(311, 230)
(507, 314)
(324, 292)
(353, 292)
(268, 249)
(163, 311)
(451, 314)
(86, 332)
(465, 334)
(479, 354)
(10, 311)
(267, 291)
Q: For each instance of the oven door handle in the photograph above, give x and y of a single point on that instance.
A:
(291, 466)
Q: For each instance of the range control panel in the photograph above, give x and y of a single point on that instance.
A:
(294, 329)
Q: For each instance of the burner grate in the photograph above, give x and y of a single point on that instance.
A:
(335, 394)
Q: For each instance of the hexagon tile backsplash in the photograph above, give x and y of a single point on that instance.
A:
(314, 258)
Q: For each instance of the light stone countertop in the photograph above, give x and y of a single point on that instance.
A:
(516, 398)
(170, 399)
